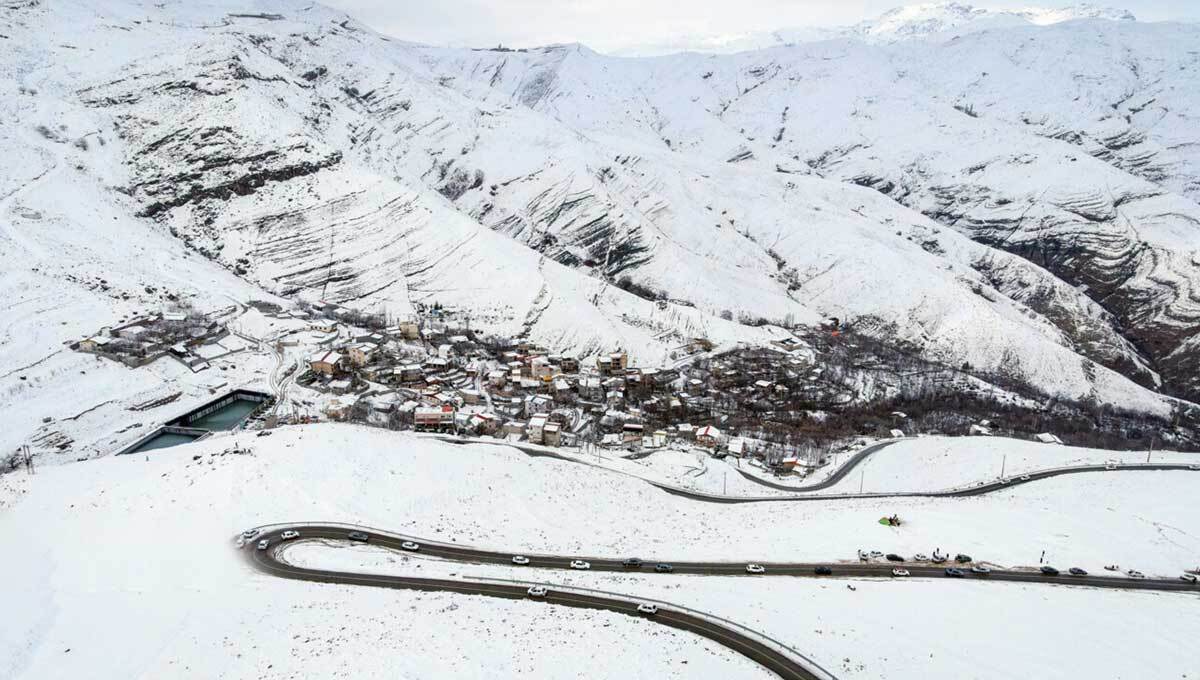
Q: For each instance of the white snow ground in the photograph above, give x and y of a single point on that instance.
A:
(127, 562)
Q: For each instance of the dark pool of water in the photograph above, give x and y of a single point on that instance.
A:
(227, 417)
(164, 439)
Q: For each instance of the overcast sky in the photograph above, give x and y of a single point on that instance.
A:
(609, 25)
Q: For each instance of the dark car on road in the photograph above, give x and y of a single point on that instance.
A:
(822, 571)
(962, 559)
(1076, 571)
(1049, 571)
(663, 568)
(359, 536)
(954, 572)
(893, 557)
(632, 563)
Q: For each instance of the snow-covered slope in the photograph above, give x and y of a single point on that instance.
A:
(127, 569)
(315, 158)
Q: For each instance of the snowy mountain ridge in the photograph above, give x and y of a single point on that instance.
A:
(925, 21)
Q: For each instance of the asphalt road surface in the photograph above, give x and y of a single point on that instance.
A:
(773, 655)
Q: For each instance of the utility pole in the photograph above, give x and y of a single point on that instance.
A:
(861, 479)
(1151, 449)
(725, 484)
(1002, 463)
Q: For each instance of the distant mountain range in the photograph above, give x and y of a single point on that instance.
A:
(932, 20)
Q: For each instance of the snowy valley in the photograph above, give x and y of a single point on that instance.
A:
(831, 299)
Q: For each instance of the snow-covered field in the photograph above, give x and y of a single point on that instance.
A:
(127, 561)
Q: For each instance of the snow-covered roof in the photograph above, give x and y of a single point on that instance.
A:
(327, 357)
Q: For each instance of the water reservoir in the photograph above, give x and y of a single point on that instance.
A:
(226, 412)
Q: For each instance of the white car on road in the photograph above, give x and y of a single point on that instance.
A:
(899, 572)
(409, 545)
(755, 569)
(520, 559)
(580, 564)
(262, 545)
(647, 609)
(289, 535)
(537, 591)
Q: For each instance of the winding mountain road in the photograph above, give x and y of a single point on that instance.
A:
(804, 493)
(771, 654)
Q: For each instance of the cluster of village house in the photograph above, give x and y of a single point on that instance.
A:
(180, 335)
(429, 377)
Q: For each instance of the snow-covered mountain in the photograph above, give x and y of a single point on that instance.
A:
(938, 21)
(1020, 201)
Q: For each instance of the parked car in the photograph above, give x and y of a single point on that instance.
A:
(263, 433)
(1190, 578)
(520, 559)
(1025, 478)
(980, 570)
(537, 591)
(893, 557)
(899, 572)
(876, 554)
(863, 555)
(409, 545)
(663, 568)
(632, 562)
(962, 559)
(1049, 571)
(647, 609)
(1076, 571)
(359, 536)
(822, 571)
(289, 535)
(955, 572)
(1112, 567)
(262, 545)
(938, 559)
(920, 557)
(1134, 573)
(249, 534)
(755, 569)
(580, 564)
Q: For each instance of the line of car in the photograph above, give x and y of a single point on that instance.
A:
(540, 592)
